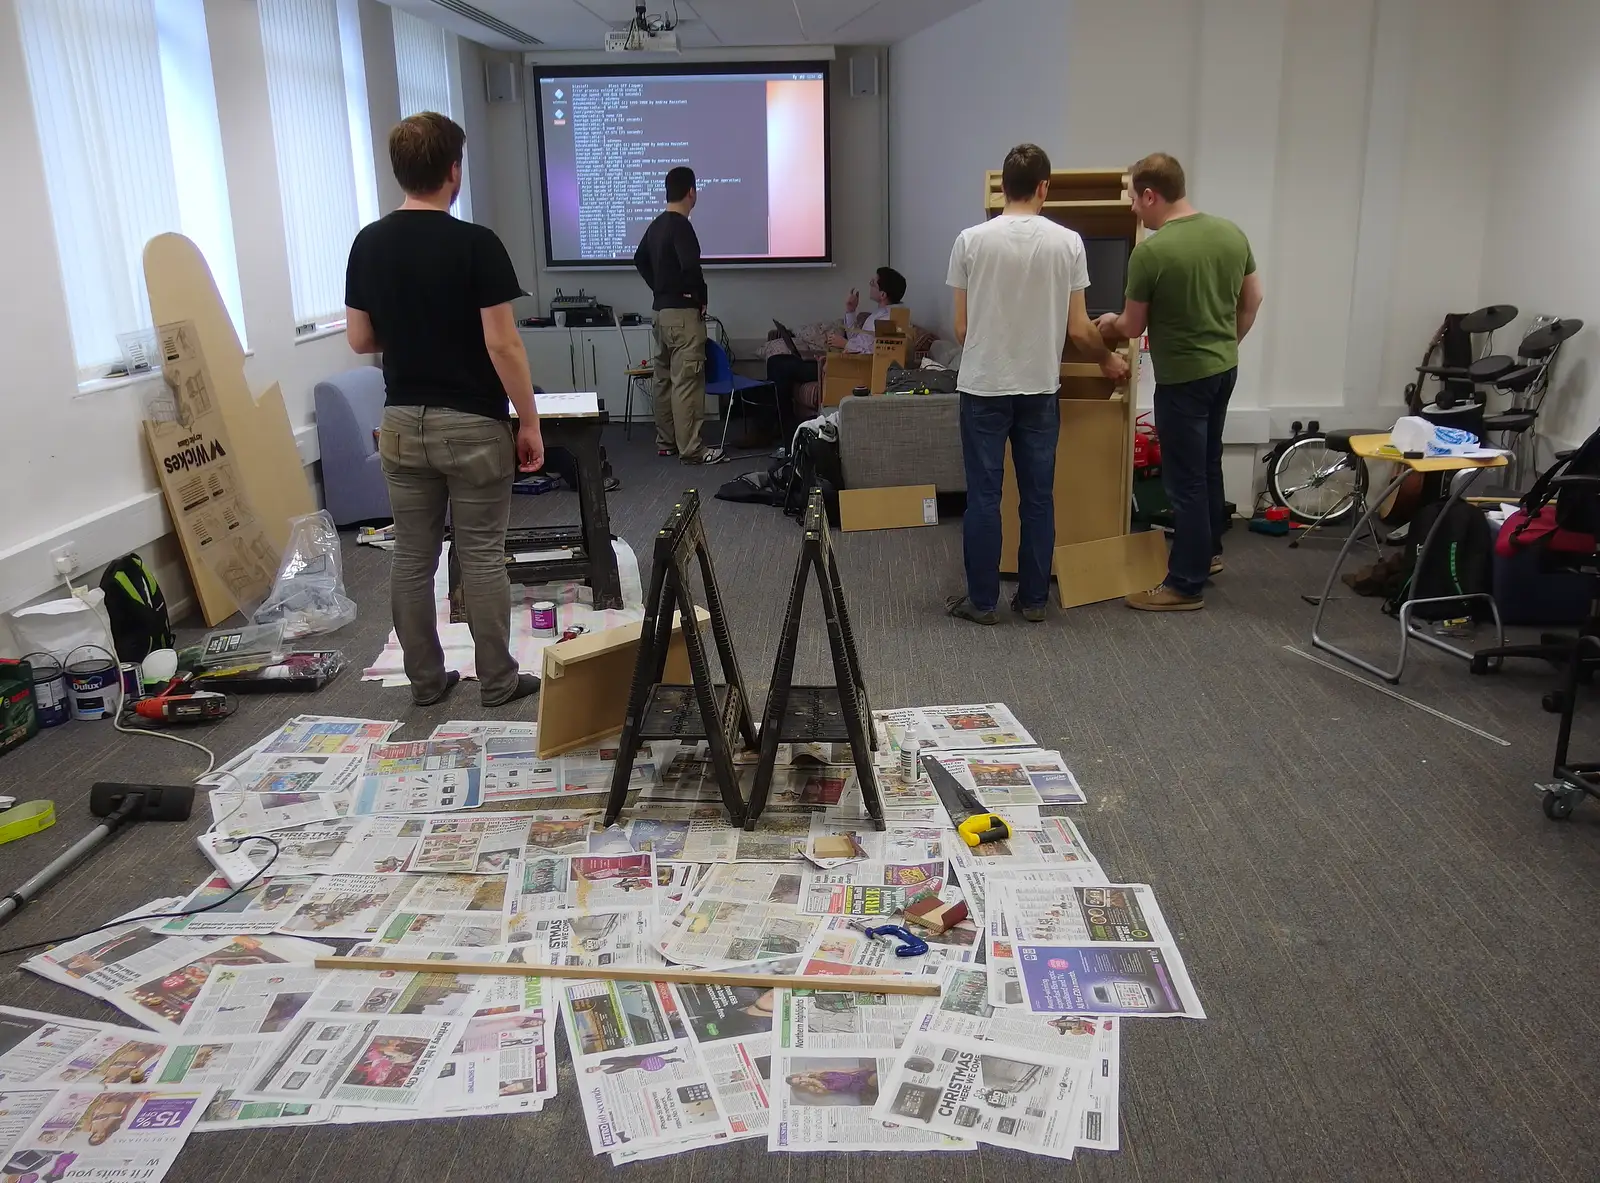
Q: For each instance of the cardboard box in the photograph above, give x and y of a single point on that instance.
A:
(893, 508)
(1109, 568)
(842, 373)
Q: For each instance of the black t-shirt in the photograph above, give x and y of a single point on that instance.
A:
(424, 276)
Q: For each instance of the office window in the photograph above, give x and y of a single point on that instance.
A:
(125, 108)
(427, 61)
(317, 90)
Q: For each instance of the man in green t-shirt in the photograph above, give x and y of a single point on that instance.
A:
(1194, 287)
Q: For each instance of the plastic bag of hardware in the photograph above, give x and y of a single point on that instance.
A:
(308, 594)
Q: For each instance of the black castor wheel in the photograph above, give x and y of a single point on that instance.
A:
(1558, 806)
(1480, 665)
(1555, 701)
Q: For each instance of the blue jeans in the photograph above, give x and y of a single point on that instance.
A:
(1032, 422)
(1189, 419)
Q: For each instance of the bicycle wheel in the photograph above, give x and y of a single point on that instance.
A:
(1314, 482)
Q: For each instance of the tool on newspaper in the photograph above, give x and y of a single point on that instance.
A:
(972, 821)
(838, 984)
(911, 945)
(930, 912)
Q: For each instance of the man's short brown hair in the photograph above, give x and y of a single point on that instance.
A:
(422, 148)
(1025, 167)
(1162, 173)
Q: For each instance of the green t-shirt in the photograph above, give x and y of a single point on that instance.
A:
(1190, 272)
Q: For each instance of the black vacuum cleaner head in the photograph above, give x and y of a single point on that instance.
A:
(158, 803)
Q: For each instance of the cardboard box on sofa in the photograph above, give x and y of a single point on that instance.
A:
(842, 372)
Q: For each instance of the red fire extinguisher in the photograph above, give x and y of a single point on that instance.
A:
(1146, 447)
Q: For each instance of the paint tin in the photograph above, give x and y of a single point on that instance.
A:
(544, 618)
(132, 681)
(94, 683)
(49, 689)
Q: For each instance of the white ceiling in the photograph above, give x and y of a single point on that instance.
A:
(704, 24)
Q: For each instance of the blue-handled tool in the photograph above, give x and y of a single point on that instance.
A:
(911, 945)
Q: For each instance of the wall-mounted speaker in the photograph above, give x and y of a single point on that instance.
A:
(863, 75)
(500, 81)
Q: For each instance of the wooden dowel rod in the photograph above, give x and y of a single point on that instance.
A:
(842, 983)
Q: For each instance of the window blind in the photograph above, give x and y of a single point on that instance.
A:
(426, 64)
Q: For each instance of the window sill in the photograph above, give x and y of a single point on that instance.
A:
(330, 331)
(104, 385)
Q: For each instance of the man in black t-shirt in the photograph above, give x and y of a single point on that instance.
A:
(433, 295)
(668, 259)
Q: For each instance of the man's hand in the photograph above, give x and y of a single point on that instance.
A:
(838, 341)
(530, 447)
(1115, 366)
(1106, 322)
(852, 301)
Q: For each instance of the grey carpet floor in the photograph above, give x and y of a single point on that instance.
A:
(1396, 948)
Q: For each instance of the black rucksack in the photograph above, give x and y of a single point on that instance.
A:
(1460, 562)
(137, 609)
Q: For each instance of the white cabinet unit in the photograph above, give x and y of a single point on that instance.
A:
(594, 359)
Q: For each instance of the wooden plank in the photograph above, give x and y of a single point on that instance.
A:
(915, 985)
(1109, 568)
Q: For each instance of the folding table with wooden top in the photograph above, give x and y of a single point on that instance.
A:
(1467, 470)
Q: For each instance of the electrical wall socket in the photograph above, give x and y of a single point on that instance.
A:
(65, 558)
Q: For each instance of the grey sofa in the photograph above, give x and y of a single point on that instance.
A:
(902, 439)
(349, 408)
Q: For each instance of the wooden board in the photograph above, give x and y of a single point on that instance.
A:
(1109, 568)
(584, 698)
(270, 472)
(893, 507)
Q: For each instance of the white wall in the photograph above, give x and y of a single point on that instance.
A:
(1542, 243)
(746, 299)
(1349, 140)
(80, 457)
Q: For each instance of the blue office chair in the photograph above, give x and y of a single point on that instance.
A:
(722, 382)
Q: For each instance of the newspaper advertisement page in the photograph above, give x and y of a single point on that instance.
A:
(830, 1020)
(224, 1063)
(547, 884)
(257, 909)
(483, 729)
(163, 1000)
(477, 845)
(120, 1135)
(675, 882)
(428, 776)
(561, 831)
(779, 837)
(1053, 912)
(732, 1027)
(977, 725)
(101, 962)
(17, 1110)
(742, 914)
(1026, 776)
(384, 1061)
(503, 1063)
(823, 1096)
(240, 1000)
(324, 735)
(1057, 845)
(254, 813)
(317, 849)
(382, 846)
(449, 911)
(1107, 980)
(349, 905)
(1012, 1097)
(871, 873)
(513, 769)
(38, 1049)
(963, 1009)
(288, 773)
(592, 939)
(643, 1094)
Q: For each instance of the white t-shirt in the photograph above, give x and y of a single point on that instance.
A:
(1019, 272)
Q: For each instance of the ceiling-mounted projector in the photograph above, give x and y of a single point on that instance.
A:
(634, 40)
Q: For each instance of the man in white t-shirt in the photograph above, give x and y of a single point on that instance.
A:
(1019, 281)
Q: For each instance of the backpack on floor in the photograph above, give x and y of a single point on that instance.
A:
(1461, 562)
(137, 609)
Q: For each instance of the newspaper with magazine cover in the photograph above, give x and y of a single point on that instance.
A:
(123, 1134)
(223, 1063)
(380, 1061)
(38, 1049)
(1015, 776)
(162, 1001)
(732, 1027)
(257, 909)
(99, 962)
(542, 885)
(317, 849)
(426, 776)
(328, 735)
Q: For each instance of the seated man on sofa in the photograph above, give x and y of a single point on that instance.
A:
(887, 289)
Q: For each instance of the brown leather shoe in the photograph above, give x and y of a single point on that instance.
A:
(1162, 598)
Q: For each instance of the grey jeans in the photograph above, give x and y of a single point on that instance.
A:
(436, 459)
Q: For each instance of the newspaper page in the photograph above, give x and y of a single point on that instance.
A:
(397, 992)
(18, 1108)
(963, 1009)
(975, 725)
(382, 1061)
(824, 1087)
(503, 1063)
(691, 840)
(732, 1027)
(162, 1001)
(641, 1079)
(121, 1135)
(1107, 980)
(428, 776)
(1022, 776)
(317, 849)
(741, 914)
(837, 1020)
(348, 905)
(778, 837)
(542, 885)
(223, 1064)
(257, 909)
(592, 939)
(101, 961)
(590, 769)
(1057, 845)
(513, 769)
(1012, 1097)
(871, 873)
(482, 844)
(241, 1000)
(382, 846)
(561, 831)
(442, 930)
(1052, 911)
(298, 773)
(327, 735)
(256, 813)
(840, 948)
(456, 893)
(44, 1049)
(483, 729)
(675, 882)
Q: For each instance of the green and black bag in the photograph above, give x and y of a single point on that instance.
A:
(137, 609)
